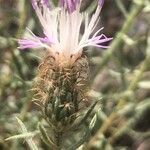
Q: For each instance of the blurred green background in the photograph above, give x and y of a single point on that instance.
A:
(120, 75)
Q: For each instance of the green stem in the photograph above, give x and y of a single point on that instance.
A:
(135, 10)
(17, 64)
(121, 7)
(144, 66)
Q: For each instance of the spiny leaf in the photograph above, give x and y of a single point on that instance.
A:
(46, 139)
(87, 114)
(24, 135)
(28, 140)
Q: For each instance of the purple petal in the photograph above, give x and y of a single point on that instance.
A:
(100, 46)
(99, 40)
(33, 43)
(34, 4)
(101, 3)
(46, 40)
(28, 43)
(70, 5)
(40, 3)
(46, 2)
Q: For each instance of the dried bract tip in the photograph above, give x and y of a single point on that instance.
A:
(61, 90)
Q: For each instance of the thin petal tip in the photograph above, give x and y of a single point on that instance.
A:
(39, 3)
(69, 5)
(101, 3)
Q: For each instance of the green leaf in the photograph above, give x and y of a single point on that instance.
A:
(46, 139)
(28, 140)
(24, 135)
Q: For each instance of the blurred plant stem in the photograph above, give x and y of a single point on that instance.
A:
(19, 61)
(143, 67)
(17, 64)
(22, 19)
(25, 107)
(122, 101)
(135, 10)
(140, 109)
(121, 7)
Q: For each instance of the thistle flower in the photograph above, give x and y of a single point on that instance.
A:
(60, 83)
(61, 28)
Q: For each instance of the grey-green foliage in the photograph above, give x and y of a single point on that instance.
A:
(121, 87)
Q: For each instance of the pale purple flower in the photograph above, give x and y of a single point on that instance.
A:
(62, 25)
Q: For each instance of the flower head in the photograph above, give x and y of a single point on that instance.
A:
(61, 29)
